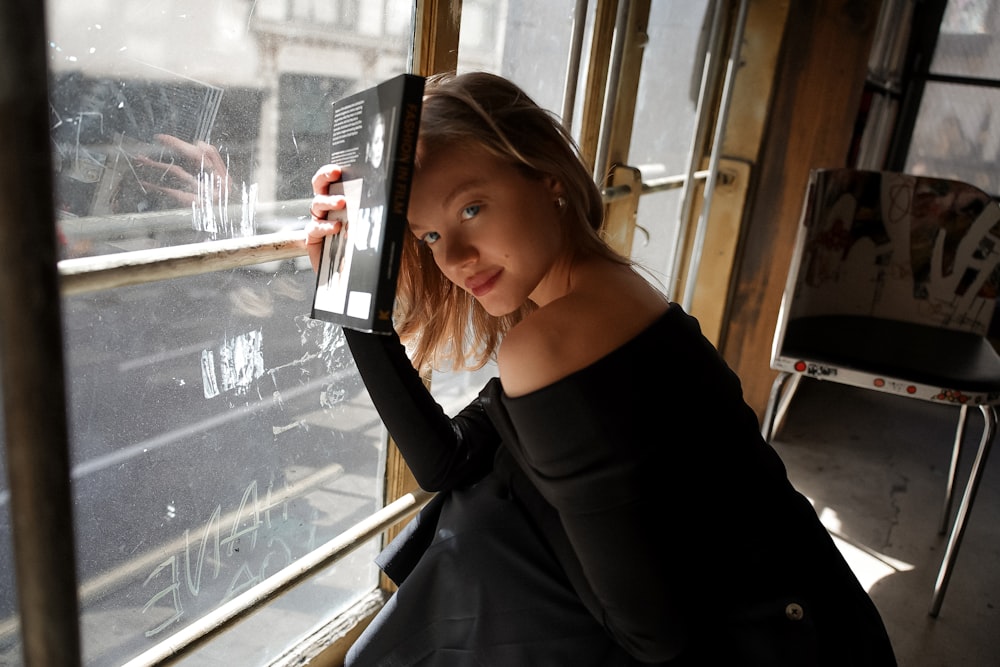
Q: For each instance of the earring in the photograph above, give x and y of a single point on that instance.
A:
(560, 202)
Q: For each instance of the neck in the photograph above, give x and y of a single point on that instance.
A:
(560, 280)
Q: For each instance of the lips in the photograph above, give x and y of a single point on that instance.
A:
(482, 282)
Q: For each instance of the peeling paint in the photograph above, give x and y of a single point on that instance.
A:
(241, 362)
(209, 380)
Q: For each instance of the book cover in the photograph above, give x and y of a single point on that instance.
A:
(373, 140)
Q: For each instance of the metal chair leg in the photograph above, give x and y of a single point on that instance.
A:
(956, 451)
(958, 530)
(777, 403)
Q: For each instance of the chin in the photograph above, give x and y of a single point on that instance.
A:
(499, 310)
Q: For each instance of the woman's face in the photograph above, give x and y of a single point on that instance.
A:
(492, 231)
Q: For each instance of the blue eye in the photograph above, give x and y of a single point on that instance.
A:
(430, 238)
(470, 211)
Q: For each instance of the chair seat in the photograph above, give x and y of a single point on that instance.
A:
(912, 352)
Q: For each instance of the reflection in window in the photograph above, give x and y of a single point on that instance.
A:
(134, 145)
(304, 129)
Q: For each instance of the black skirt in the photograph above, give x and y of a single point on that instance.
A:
(478, 586)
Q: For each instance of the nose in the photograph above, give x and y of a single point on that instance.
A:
(457, 251)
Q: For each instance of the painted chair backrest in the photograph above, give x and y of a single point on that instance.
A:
(896, 246)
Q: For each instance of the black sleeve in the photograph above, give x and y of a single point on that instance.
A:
(442, 452)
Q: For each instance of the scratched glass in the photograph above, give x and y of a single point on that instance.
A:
(218, 434)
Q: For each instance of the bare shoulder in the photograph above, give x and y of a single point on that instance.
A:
(576, 330)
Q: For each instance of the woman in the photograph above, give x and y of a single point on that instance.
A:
(608, 500)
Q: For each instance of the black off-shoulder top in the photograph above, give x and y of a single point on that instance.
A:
(646, 475)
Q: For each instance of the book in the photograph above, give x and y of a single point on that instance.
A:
(373, 141)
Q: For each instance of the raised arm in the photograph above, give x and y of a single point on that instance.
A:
(442, 452)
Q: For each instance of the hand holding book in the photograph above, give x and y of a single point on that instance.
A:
(319, 227)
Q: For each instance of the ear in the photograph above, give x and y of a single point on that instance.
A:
(555, 186)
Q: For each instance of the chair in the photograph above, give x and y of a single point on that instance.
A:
(892, 287)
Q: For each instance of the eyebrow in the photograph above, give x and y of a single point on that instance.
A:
(467, 184)
(454, 193)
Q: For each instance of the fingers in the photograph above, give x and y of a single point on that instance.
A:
(322, 204)
(178, 145)
(319, 227)
(198, 154)
(182, 197)
(316, 231)
(180, 167)
(325, 175)
(167, 175)
(210, 154)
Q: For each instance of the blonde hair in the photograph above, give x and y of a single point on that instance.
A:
(442, 324)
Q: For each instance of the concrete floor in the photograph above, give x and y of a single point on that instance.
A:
(875, 467)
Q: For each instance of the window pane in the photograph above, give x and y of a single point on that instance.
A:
(455, 390)
(218, 435)
(217, 432)
(967, 42)
(499, 36)
(956, 135)
(665, 122)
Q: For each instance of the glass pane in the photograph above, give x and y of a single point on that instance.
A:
(218, 433)
(968, 43)
(957, 136)
(654, 237)
(664, 124)
(497, 37)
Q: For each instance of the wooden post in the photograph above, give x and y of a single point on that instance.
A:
(31, 349)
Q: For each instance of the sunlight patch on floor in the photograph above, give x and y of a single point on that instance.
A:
(869, 566)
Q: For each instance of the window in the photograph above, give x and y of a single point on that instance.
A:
(665, 121)
(957, 132)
